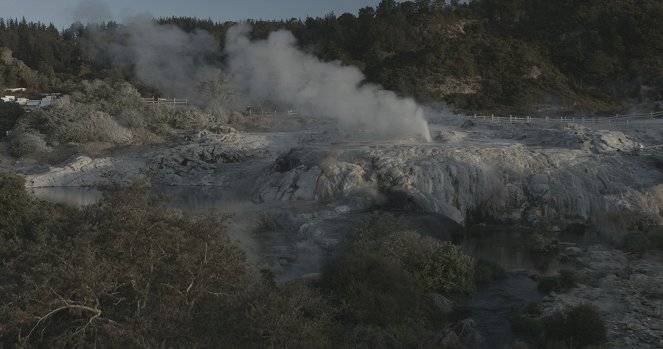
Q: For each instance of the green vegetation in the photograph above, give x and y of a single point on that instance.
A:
(383, 281)
(486, 272)
(125, 272)
(9, 113)
(578, 327)
(436, 266)
(128, 272)
(487, 54)
(526, 323)
(101, 111)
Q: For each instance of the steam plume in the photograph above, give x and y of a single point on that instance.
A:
(164, 56)
(274, 69)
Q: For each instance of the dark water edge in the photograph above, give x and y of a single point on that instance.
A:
(502, 245)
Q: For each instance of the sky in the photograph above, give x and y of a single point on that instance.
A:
(64, 12)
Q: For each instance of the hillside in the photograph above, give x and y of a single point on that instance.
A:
(514, 55)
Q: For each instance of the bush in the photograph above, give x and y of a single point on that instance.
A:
(548, 284)
(67, 122)
(486, 272)
(437, 266)
(578, 327)
(14, 202)
(27, 144)
(9, 113)
(128, 273)
(526, 324)
(374, 290)
(374, 228)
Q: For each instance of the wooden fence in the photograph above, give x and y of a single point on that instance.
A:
(165, 101)
(613, 122)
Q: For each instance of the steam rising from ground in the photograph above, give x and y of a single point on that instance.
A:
(164, 56)
(272, 70)
(275, 70)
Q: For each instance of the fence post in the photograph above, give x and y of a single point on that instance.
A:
(510, 119)
(492, 117)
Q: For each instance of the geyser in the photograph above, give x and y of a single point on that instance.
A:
(276, 70)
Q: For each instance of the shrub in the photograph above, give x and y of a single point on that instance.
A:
(9, 113)
(577, 327)
(14, 202)
(127, 273)
(437, 266)
(374, 290)
(486, 272)
(548, 284)
(27, 144)
(374, 228)
(526, 324)
(80, 123)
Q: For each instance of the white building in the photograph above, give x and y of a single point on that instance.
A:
(16, 89)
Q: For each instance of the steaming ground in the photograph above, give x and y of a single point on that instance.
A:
(289, 184)
(273, 70)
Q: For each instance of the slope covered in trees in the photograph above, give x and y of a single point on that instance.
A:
(488, 54)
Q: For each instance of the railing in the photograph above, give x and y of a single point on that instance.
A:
(617, 121)
(272, 113)
(166, 101)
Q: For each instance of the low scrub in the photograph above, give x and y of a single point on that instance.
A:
(27, 144)
(128, 273)
(486, 272)
(578, 327)
(437, 266)
(67, 122)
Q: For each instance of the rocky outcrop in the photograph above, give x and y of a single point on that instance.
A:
(484, 171)
(629, 294)
(195, 161)
(569, 171)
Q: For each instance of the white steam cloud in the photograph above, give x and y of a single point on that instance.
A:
(164, 56)
(275, 70)
(272, 70)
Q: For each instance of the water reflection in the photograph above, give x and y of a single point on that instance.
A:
(507, 247)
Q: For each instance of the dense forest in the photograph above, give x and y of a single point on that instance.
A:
(483, 55)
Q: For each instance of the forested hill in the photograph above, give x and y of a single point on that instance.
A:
(597, 55)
